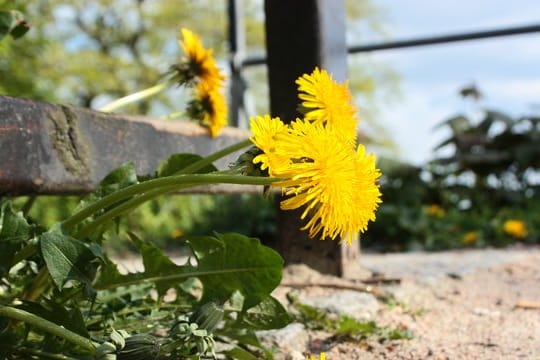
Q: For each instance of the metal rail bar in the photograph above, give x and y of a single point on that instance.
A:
(433, 40)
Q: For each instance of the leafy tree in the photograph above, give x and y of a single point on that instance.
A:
(89, 52)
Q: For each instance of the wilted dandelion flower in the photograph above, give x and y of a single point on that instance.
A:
(209, 107)
(328, 102)
(334, 183)
(199, 64)
(515, 228)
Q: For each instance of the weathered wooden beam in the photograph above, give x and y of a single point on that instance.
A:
(59, 149)
(301, 35)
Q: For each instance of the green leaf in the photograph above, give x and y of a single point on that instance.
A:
(268, 314)
(67, 259)
(13, 23)
(119, 178)
(14, 227)
(19, 30)
(243, 264)
(177, 162)
(239, 354)
(155, 262)
(6, 19)
(244, 337)
(71, 319)
(14, 232)
(231, 262)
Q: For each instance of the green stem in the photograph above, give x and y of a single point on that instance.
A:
(167, 348)
(28, 205)
(42, 354)
(156, 191)
(143, 94)
(46, 325)
(192, 180)
(38, 285)
(123, 208)
(132, 310)
(174, 115)
(213, 157)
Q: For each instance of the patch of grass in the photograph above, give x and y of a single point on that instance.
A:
(405, 308)
(344, 326)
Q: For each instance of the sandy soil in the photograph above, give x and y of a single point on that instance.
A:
(458, 305)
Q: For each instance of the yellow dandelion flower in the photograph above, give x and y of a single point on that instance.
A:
(435, 210)
(176, 233)
(209, 107)
(516, 228)
(470, 238)
(265, 130)
(328, 102)
(199, 65)
(334, 183)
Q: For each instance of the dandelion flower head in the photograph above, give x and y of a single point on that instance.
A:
(328, 102)
(200, 64)
(265, 131)
(209, 107)
(333, 183)
(515, 228)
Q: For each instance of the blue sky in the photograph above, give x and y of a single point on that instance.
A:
(506, 69)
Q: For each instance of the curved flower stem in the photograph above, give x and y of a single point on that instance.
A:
(38, 285)
(123, 208)
(202, 179)
(42, 354)
(48, 326)
(147, 185)
(172, 182)
(213, 157)
(174, 115)
(143, 94)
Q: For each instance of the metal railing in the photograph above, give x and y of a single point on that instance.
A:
(239, 60)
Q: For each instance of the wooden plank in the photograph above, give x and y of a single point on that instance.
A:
(301, 35)
(59, 149)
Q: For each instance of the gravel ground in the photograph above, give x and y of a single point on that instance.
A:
(474, 304)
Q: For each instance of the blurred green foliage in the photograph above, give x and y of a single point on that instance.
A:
(458, 200)
(164, 221)
(128, 45)
(464, 199)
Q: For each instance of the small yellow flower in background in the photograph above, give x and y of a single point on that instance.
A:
(199, 68)
(176, 233)
(209, 107)
(470, 238)
(435, 210)
(333, 182)
(322, 356)
(328, 102)
(200, 65)
(515, 228)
